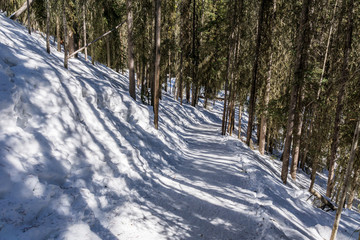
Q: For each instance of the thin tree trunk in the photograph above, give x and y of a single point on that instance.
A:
(180, 88)
(65, 34)
(354, 189)
(58, 36)
(239, 125)
(347, 178)
(263, 125)
(28, 16)
(48, 26)
(297, 136)
(84, 27)
(157, 88)
(130, 49)
(108, 54)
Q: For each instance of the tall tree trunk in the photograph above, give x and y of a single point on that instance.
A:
(340, 104)
(239, 125)
(180, 88)
(130, 49)
(65, 34)
(347, 176)
(84, 27)
(263, 122)
(302, 45)
(354, 188)
(28, 16)
(48, 26)
(297, 135)
(263, 125)
(58, 36)
(157, 88)
(108, 53)
(255, 72)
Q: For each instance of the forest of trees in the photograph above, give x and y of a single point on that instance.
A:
(293, 65)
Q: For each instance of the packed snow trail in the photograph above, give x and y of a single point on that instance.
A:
(79, 159)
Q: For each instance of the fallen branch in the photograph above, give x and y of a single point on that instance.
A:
(97, 39)
(325, 201)
(22, 9)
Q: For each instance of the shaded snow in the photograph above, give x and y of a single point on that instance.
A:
(79, 159)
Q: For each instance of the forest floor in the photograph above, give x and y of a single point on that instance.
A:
(80, 159)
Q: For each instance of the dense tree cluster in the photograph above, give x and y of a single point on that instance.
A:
(293, 64)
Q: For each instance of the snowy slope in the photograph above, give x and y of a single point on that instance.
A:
(79, 159)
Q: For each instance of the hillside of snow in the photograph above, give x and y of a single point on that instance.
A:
(80, 159)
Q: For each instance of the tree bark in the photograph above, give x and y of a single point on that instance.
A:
(302, 45)
(58, 36)
(65, 34)
(297, 136)
(263, 124)
(347, 177)
(130, 49)
(28, 16)
(354, 188)
(108, 53)
(48, 26)
(84, 27)
(157, 88)
(239, 125)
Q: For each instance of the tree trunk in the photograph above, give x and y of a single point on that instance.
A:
(254, 77)
(108, 53)
(180, 88)
(28, 16)
(157, 88)
(239, 125)
(354, 189)
(130, 49)
(263, 125)
(302, 45)
(65, 34)
(58, 36)
(340, 104)
(297, 136)
(84, 27)
(347, 174)
(22, 9)
(48, 26)
(169, 69)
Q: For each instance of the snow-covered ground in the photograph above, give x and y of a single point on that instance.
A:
(79, 159)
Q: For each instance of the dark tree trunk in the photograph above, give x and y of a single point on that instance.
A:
(157, 88)
(65, 34)
(130, 49)
(84, 27)
(48, 26)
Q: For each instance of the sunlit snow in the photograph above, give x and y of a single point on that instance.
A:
(80, 159)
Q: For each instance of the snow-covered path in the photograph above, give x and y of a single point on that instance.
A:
(80, 159)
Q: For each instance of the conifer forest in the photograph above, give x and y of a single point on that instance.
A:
(179, 119)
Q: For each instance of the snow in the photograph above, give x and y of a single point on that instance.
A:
(79, 159)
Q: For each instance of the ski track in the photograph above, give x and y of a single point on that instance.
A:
(108, 174)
